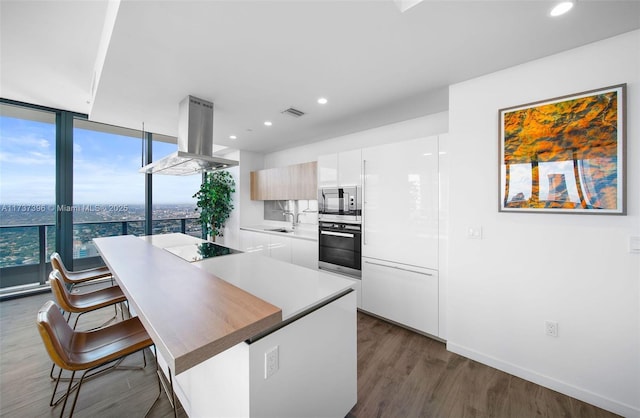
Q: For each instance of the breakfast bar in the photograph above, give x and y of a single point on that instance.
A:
(240, 334)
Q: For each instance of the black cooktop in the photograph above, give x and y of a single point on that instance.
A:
(197, 252)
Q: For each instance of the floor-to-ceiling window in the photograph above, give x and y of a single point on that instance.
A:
(173, 202)
(65, 180)
(108, 190)
(27, 193)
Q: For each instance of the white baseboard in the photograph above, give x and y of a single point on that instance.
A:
(584, 395)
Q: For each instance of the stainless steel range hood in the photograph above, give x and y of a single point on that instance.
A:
(195, 143)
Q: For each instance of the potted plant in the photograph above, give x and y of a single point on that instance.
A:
(214, 202)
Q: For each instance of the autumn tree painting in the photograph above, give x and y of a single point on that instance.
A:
(564, 154)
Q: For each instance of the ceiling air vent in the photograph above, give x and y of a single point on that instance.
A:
(293, 112)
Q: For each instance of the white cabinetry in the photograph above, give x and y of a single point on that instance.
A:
(400, 233)
(401, 293)
(302, 252)
(400, 221)
(279, 247)
(253, 242)
(327, 170)
(340, 170)
(349, 168)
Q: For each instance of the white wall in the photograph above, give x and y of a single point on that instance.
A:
(528, 268)
(251, 211)
(410, 129)
(245, 211)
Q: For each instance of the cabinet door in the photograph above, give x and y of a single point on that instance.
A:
(305, 253)
(404, 294)
(303, 180)
(254, 242)
(350, 168)
(401, 187)
(246, 240)
(328, 170)
(259, 185)
(279, 247)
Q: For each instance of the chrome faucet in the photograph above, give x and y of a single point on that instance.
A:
(294, 218)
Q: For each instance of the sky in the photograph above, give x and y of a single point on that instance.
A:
(105, 167)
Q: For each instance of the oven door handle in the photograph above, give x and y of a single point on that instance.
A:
(337, 234)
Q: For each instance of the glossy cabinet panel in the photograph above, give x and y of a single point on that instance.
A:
(342, 169)
(304, 253)
(404, 294)
(350, 168)
(327, 170)
(252, 242)
(301, 252)
(400, 220)
(279, 247)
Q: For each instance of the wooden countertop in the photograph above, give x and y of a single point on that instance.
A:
(190, 314)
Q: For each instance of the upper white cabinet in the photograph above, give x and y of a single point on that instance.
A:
(328, 170)
(350, 168)
(340, 170)
(401, 186)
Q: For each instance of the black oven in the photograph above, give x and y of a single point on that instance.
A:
(340, 248)
(341, 204)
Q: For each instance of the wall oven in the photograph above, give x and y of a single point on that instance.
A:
(342, 204)
(340, 248)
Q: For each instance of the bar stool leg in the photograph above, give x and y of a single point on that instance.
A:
(146, 414)
(66, 396)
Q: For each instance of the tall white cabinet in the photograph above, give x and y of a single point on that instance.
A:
(400, 232)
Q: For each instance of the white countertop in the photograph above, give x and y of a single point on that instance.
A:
(310, 234)
(171, 240)
(190, 314)
(292, 288)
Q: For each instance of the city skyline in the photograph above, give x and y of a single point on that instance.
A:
(105, 167)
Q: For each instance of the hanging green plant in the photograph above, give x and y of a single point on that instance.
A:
(215, 202)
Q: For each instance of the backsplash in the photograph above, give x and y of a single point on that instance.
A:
(306, 210)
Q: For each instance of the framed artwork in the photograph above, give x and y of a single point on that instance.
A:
(565, 155)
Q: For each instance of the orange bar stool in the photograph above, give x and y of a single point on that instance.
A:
(81, 303)
(92, 352)
(80, 276)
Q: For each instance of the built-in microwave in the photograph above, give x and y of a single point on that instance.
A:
(342, 204)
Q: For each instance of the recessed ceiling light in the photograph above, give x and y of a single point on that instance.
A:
(561, 8)
(267, 123)
(233, 137)
(322, 100)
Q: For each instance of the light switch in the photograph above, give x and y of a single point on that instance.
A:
(634, 245)
(474, 232)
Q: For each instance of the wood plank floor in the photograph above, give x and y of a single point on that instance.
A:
(400, 374)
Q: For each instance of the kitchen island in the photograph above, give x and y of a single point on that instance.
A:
(241, 334)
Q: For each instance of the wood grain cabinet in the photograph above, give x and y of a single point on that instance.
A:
(293, 182)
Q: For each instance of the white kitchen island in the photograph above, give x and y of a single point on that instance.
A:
(299, 361)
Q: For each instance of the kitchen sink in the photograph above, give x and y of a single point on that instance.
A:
(280, 230)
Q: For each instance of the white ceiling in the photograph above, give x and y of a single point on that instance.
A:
(254, 59)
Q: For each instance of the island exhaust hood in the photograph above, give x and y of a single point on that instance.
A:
(195, 143)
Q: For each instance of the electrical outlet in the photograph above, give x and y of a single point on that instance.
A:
(551, 328)
(271, 362)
